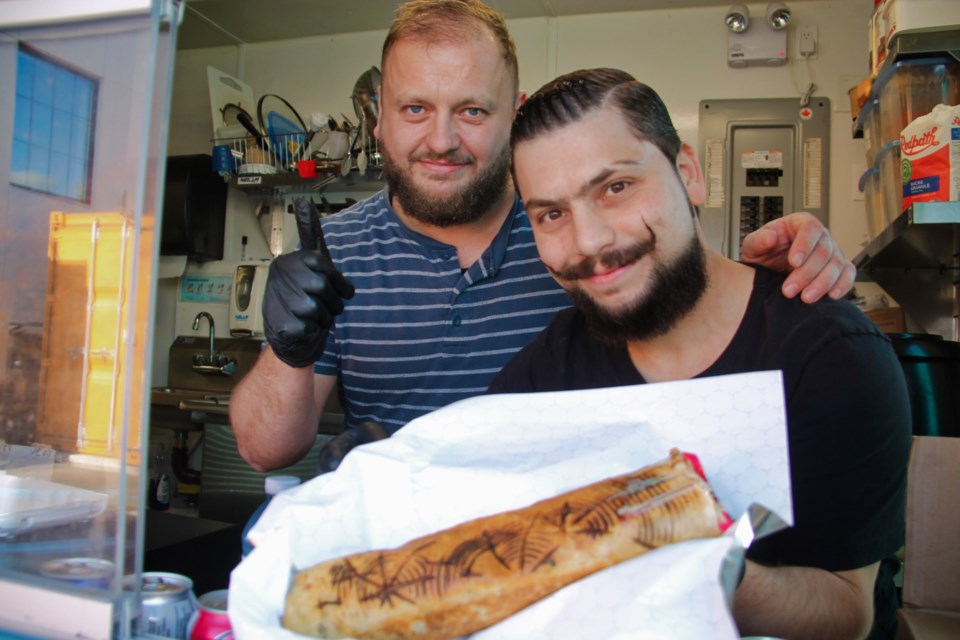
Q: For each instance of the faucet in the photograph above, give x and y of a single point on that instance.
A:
(214, 363)
(196, 325)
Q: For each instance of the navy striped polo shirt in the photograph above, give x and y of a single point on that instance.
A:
(419, 334)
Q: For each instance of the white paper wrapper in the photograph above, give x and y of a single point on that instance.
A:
(494, 453)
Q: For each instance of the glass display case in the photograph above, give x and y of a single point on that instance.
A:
(84, 106)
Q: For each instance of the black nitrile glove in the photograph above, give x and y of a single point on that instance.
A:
(304, 293)
(333, 453)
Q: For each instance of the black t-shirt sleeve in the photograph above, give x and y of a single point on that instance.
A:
(849, 439)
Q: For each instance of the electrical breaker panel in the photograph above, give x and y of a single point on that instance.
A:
(761, 159)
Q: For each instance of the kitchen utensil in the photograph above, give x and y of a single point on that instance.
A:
(226, 90)
(286, 137)
(347, 163)
(335, 147)
(282, 126)
(318, 133)
(362, 156)
(223, 161)
(229, 114)
(244, 118)
(271, 219)
(307, 168)
(256, 169)
(317, 186)
(364, 97)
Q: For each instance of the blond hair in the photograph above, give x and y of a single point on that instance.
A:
(449, 21)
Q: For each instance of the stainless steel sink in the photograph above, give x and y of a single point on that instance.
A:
(173, 408)
(172, 397)
(191, 399)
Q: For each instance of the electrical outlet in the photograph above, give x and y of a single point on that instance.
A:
(807, 43)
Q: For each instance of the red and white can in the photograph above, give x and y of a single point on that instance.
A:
(210, 622)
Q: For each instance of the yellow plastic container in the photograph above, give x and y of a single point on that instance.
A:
(87, 350)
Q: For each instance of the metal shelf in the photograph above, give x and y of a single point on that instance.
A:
(371, 182)
(916, 259)
(920, 238)
(905, 45)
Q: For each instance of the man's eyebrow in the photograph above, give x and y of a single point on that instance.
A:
(487, 103)
(586, 187)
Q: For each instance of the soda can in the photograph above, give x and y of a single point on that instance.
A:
(210, 622)
(89, 573)
(166, 603)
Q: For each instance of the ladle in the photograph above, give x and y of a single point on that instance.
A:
(362, 157)
(347, 163)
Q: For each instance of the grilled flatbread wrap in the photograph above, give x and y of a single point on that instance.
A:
(466, 578)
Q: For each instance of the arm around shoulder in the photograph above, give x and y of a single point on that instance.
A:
(800, 245)
(275, 410)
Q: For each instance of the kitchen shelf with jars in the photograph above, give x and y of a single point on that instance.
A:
(913, 251)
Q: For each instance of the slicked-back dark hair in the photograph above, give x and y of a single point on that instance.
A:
(571, 96)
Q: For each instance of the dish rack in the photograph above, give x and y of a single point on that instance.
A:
(281, 153)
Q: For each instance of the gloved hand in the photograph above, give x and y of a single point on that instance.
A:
(333, 453)
(304, 293)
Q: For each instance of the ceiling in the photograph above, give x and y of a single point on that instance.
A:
(215, 23)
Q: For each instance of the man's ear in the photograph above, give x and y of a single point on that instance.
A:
(521, 98)
(691, 174)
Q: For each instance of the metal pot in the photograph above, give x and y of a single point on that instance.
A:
(365, 100)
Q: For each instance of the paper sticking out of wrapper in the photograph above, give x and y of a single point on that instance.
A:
(493, 453)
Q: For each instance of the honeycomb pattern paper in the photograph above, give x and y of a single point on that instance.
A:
(493, 453)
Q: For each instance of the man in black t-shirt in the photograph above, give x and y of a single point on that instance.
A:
(611, 192)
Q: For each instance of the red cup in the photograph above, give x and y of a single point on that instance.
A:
(210, 622)
(307, 168)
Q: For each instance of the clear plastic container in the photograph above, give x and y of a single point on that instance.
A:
(912, 88)
(272, 485)
(870, 121)
(891, 180)
(873, 202)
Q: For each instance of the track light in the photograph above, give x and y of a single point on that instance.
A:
(778, 15)
(737, 18)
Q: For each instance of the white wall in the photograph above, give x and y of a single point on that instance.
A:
(681, 53)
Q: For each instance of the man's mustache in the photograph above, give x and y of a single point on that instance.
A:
(613, 259)
(452, 157)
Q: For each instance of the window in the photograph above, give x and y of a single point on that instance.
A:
(53, 127)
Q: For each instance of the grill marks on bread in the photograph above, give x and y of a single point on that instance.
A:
(470, 576)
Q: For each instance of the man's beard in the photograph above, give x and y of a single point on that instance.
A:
(674, 291)
(469, 204)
